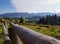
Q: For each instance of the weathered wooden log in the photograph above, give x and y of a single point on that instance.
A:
(13, 36)
(29, 36)
(5, 37)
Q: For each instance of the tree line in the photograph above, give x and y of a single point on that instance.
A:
(50, 19)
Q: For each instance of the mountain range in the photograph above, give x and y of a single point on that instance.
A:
(13, 15)
(30, 16)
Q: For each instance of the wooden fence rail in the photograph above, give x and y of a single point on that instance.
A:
(5, 36)
(28, 36)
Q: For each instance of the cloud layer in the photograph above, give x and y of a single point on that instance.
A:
(34, 6)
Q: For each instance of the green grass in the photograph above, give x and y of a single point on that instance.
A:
(1, 40)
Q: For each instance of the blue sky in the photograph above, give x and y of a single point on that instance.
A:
(6, 6)
(30, 6)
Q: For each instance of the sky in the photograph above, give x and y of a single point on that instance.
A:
(30, 6)
(6, 7)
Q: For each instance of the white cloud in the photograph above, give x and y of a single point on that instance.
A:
(36, 5)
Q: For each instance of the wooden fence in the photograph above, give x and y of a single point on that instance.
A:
(5, 35)
(28, 36)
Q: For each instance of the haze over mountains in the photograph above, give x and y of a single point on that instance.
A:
(30, 16)
(27, 15)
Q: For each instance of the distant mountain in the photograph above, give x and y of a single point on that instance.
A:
(14, 15)
(24, 14)
(27, 15)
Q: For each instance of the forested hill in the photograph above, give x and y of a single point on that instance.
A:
(48, 19)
